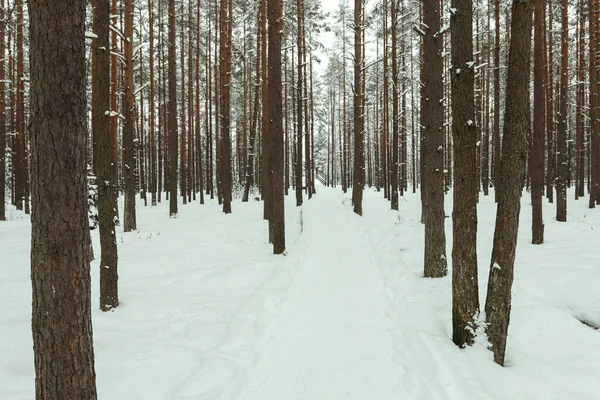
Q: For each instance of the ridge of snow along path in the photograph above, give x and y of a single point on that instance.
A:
(208, 313)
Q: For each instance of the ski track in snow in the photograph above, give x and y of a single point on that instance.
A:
(208, 313)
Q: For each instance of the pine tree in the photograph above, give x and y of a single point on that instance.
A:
(465, 291)
(498, 302)
(60, 251)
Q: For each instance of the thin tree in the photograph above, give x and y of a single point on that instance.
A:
(2, 114)
(562, 170)
(299, 103)
(432, 144)
(593, 99)
(498, 302)
(104, 161)
(359, 122)
(226, 23)
(395, 110)
(172, 110)
(537, 148)
(465, 291)
(129, 220)
(60, 238)
(275, 115)
(153, 164)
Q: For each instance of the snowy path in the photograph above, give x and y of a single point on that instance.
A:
(330, 342)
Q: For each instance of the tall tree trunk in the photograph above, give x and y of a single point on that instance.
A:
(104, 161)
(465, 290)
(2, 114)
(498, 302)
(395, 110)
(60, 243)
(550, 169)
(172, 109)
(20, 142)
(562, 170)
(593, 99)
(224, 138)
(129, 220)
(432, 144)
(537, 148)
(299, 6)
(153, 164)
(275, 126)
(359, 122)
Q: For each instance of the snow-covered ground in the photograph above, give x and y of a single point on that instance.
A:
(208, 313)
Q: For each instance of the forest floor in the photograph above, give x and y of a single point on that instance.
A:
(208, 313)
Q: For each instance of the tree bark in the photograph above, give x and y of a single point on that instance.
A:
(359, 122)
(537, 148)
(60, 251)
(2, 115)
(225, 105)
(298, 177)
(498, 302)
(104, 161)
(172, 109)
(129, 220)
(432, 144)
(395, 110)
(562, 170)
(465, 290)
(275, 126)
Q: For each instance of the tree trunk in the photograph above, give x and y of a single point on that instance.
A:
(514, 151)
(537, 148)
(465, 291)
(2, 116)
(129, 222)
(60, 245)
(225, 93)
(359, 122)
(172, 107)
(299, 104)
(395, 110)
(104, 161)
(432, 144)
(275, 126)
(562, 170)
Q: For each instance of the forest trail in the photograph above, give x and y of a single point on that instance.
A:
(329, 341)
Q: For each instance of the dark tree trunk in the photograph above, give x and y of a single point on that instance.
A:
(225, 107)
(298, 177)
(2, 117)
(593, 99)
(172, 108)
(60, 245)
(432, 144)
(537, 148)
(514, 151)
(465, 292)
(129, 223)
(395, 111)
(359, 122)
(104, 161)
(153, 165)
(562, 170)
(275, 126)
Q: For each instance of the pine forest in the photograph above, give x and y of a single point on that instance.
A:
(300, 199)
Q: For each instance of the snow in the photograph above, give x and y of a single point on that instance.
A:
(208, 312)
